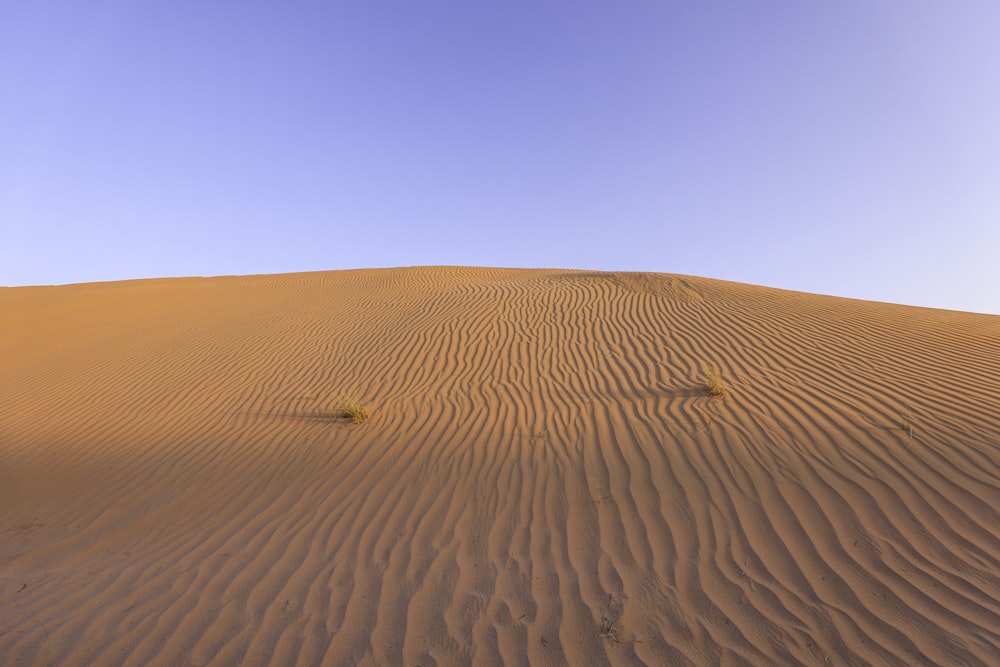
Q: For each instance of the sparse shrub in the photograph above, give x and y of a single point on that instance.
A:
(714, 383)
(906, 424)
(349, 409)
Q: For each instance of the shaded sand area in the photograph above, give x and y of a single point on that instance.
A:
(542, 480)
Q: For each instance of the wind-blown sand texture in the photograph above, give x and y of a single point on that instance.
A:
(543, 478)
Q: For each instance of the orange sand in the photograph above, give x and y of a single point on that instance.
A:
(542, 479)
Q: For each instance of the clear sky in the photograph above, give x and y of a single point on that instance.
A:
(848, 148)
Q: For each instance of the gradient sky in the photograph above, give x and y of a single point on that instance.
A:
(848, 148)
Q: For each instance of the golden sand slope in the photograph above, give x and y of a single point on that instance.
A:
(542, 479)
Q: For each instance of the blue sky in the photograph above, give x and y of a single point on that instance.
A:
(848, 148)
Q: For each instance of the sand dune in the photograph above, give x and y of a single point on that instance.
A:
(542, 479)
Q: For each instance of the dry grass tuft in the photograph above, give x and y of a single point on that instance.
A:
(906, 424)
(608, 627)
(609, 631)
(714, 383)
(349, 409)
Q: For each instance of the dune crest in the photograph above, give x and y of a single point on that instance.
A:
(542, 478)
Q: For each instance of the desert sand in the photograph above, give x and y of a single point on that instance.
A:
(543, 478)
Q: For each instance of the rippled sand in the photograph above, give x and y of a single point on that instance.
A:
(542, 480)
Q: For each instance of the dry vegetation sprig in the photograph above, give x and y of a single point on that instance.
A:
(906, 424)
(714, 383)
(349, 409)
(608, 625)
(609, 631)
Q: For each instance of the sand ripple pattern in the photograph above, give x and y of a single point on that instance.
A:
(542, 479)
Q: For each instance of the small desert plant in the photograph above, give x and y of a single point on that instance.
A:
(608, 627)
(714, 383)
(906, 424)
(349, 409)
(609, 631)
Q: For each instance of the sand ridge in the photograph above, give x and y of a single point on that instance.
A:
(542, 479)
